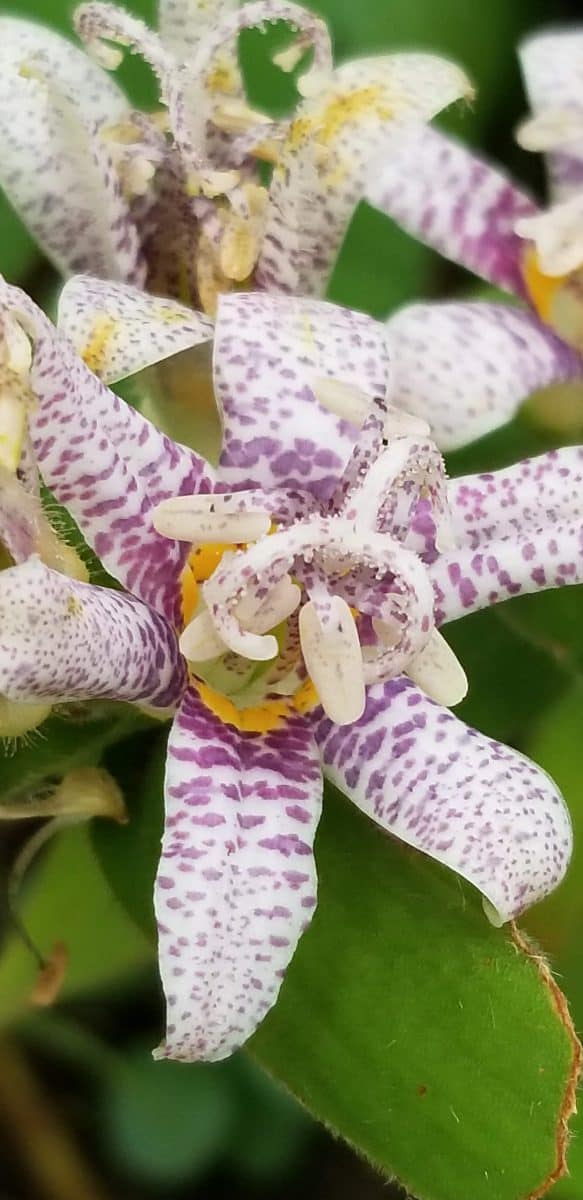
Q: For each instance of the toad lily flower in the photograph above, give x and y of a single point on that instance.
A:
(466, 209)
(175, 199)
(303, 580)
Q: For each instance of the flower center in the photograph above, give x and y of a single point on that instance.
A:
(558, 299)
(290, 603)
(227, 687)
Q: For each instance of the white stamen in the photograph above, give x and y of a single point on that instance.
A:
(137, 175)
(213, 183)
(438, 672)
(399, 423)
(343, 399)
(108, 57)
(288, 58)
(200, 641)
(210, 519)
(550, 129)
(282, 601)
(557, 235)
(248, 645)
(333, 659)
(236, 116)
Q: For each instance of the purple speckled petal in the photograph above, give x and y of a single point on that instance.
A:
(119, 330)
(517, 530)
(466, 368)
(552, 68)
(236, 884)
(105, 463)
(479, 807)
(527, 496)
(62, 640)
(333, 146)
(455, 202)
(54, 164)
(466, 580)
(270, 354)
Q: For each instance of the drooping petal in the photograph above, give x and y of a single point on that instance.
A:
(333, 146)
(105, 463)
(552, 67)
(54, 164)
(62, 640)
(455, 202)
(517, 500)
(466, 580)
(271, 355)
(518, 530)
(466, 368)
(119, 330)
(236, 885)
(479, 807)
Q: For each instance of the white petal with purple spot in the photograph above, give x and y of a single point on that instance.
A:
(105, 463)
(479, 807)
(270, 354)
(236, 884)
(54, 163)
(119, 330)
(466, 368)
(62, 640)
(455, 202)
(552, 66)
(331, 150)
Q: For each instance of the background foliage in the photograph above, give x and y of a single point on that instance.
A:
(84, 1113)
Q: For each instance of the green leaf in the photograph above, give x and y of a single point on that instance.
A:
(406, 1023)
(62, 744)
(164, 1121)
(271, 1127)
(504, 669)
(557, 745)
(417, 1031)
(139, 768)
(68, 900)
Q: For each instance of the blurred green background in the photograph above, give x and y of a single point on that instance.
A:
(84, 1113)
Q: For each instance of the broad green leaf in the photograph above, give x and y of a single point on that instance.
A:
(504, 670)
(139, 769)
(417, 1031)
(557, 745)
(551, 621)
(406, 1023)
(271, 1127)
(68, 900)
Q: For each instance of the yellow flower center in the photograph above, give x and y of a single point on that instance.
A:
(541, 288)
(558, 299)
(273, 712)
